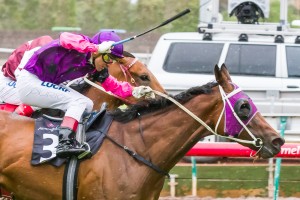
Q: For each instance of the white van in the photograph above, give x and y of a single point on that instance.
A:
(262, 59)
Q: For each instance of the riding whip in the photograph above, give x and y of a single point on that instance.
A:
(162, 24)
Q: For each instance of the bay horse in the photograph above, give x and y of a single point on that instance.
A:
(128, 69)
(158, 130)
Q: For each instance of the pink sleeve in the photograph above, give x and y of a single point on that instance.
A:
(77, 42)
(119, 88)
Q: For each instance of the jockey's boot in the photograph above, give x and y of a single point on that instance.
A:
(24, 110)
(68, 145)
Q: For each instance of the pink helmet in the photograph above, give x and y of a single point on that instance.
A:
(100, 37)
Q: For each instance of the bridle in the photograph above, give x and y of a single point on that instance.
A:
(257, 142)
(125, 69)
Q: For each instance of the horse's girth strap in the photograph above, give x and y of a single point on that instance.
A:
(139, 158)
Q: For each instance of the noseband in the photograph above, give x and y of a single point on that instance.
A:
(126, 72)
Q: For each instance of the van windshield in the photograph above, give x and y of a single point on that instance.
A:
(193, 57)
(241, 59)
(251, 60)
(293, 60)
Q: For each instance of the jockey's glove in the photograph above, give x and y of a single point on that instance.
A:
(105, 46)
(102, 75)
(141, 91)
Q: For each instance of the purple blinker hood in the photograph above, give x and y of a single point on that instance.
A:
(232, 125)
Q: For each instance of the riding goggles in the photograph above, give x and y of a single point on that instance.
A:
(107, 59)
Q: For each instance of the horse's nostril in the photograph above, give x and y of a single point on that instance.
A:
(278, 142)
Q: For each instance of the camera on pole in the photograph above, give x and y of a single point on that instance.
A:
(248, 12)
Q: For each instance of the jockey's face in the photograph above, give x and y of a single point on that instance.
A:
(102, 60)
(98, 61)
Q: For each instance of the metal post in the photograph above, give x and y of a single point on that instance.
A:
(283, 12)
(194, 176)
(215, 11)
(209, 11)
(271, 179)
(278, 160)
(172, 184)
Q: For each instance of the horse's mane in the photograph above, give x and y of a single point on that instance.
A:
(151, 105)
(82, 87)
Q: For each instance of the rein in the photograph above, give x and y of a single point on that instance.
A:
(257, 142)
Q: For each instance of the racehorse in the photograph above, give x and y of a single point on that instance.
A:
(158, 130)
(128, 69)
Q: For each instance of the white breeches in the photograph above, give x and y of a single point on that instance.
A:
(8, 91)
(33, 91)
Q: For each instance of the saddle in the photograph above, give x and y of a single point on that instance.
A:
(91, 135)
(47, 122)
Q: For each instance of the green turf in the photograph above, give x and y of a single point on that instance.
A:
(224, 179)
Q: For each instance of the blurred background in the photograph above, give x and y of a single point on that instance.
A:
(24, 20)
(21, 21)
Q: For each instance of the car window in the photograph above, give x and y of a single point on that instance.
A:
(251, 60)
(293, 60)
(193, 57)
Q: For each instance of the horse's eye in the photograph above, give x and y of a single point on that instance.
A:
(243, 109)
(144, 77)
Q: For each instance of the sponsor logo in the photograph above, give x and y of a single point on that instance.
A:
(54, 86)
(290, 151)
(48, 129)
(12, 84)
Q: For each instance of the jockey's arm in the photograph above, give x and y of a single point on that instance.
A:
(109, 83)
(122, 89)
(77, 42)
(119, 88)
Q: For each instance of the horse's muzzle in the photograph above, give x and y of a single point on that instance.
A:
(269, 151)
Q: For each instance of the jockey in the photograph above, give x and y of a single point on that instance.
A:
(67, 58)
(18, 59)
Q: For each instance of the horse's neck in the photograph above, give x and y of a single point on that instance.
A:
(169, 135)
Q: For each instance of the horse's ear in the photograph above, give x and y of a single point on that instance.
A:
(226, 72)
(223, 77)
(127, 54)
(217, 72)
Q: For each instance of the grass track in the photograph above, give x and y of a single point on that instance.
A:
(234, 181)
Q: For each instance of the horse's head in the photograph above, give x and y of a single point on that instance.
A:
(131, 70)
(242, 121)
(128, 69)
